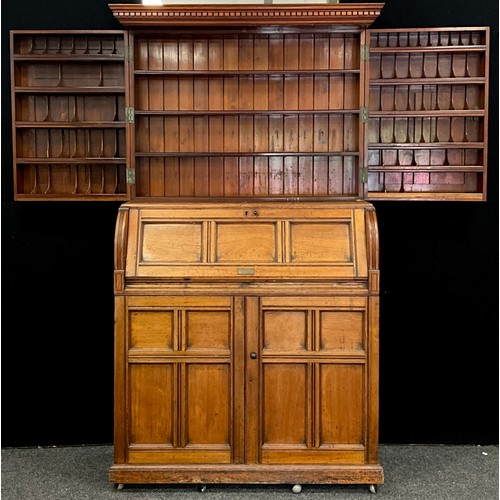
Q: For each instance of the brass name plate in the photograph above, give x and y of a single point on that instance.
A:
(245, 271)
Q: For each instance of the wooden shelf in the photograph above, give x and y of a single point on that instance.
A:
(429, 81)
(409, 50)
(427, 114)
(69, 90)
(426, 168)
(246, 154)
(72, 197)
(234, 72)
(247, 112)
(69, 58)
(66, 161)
(76, 125)
(427, 145)
(424, 196)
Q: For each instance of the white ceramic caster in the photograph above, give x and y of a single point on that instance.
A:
(372, 488)
(202, 488)
(119, 486)
(297, 488)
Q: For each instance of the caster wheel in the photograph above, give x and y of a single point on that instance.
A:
(297, 488)
(372, 488)
(119, 486)
(201, 488)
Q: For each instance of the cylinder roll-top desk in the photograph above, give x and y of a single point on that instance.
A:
(247, 143)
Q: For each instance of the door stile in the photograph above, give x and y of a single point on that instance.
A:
(364, 77)
(252, 380)
(129, 103)
(120, 412)
(238, 355)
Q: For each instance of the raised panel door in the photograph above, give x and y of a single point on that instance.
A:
(180, 390)
(311, 359)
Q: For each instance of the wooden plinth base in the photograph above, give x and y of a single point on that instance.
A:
(247, 474)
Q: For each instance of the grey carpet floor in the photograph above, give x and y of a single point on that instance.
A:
(413, 472)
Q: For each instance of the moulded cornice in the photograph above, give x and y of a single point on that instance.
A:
(143, 16)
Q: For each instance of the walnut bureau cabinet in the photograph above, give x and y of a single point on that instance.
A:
(247, 142)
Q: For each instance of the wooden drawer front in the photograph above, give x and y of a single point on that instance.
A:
(180, 394)
(313, 371)
(263, 244)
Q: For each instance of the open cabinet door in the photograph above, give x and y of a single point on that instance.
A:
(428, 114)
(69, 94)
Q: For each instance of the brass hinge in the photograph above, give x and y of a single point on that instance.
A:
(129, 115)
(365, 52)
(363, 173)
(363, 114)
(130, 175)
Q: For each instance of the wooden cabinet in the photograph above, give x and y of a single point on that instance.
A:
(246, 343)
(246, 140)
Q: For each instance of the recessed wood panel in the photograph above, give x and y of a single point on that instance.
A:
(151, 404)
(208, 330)
(341, 330)
(285, 330)
(341, 404)
(284, 404)
(208, 404)
(172, 242)
(151, 329)
(240, 242)
(317, 242)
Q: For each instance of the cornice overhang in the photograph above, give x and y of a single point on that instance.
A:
(145, 16)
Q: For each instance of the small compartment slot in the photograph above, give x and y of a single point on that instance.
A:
(69, 44)
(70, 108)
(71, 181)
(70, 143)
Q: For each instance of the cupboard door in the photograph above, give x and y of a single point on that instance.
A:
(69, 92)
(181, 395)
(311, 365)
(428, 114)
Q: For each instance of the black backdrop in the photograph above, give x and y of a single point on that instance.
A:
(439, 283)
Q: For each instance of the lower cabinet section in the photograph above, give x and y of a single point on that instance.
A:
(246, 343)
(272, 388)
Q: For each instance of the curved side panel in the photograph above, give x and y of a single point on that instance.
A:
(372, 251)
(120, 251)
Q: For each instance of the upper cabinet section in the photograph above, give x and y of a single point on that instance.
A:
(68, 109)
(247, 102)
(428, 108)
